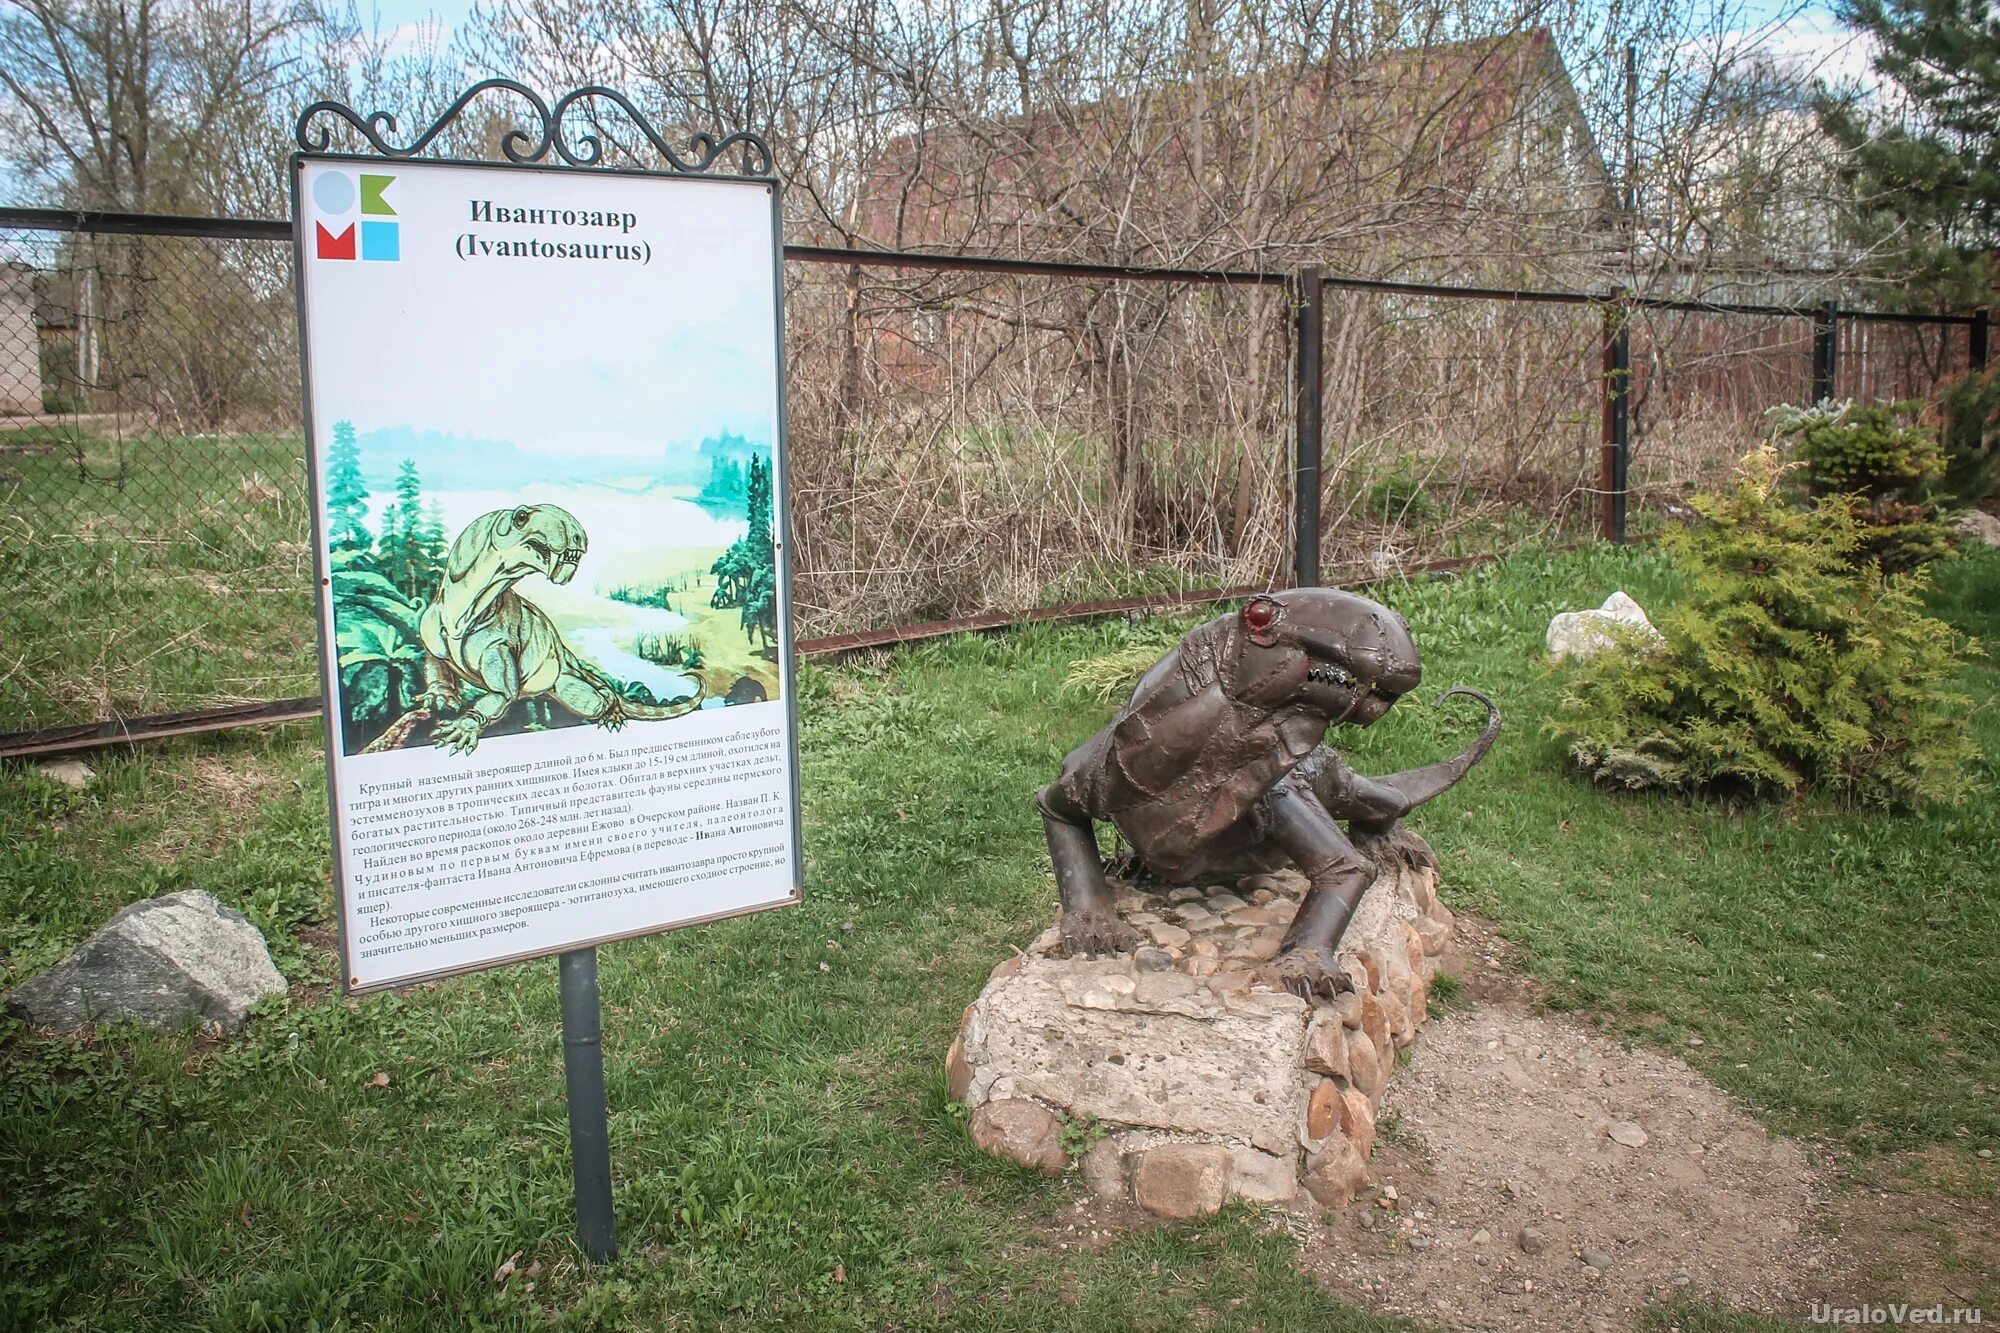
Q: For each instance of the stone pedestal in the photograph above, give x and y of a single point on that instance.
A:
(1192, 1082)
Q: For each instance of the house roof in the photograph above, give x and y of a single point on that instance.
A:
(1428, 131)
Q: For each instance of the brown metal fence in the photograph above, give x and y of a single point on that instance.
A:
(975, 441)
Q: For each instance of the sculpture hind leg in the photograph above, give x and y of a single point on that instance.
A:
(1089, 922)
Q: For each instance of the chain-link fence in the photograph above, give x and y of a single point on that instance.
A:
(970, 439)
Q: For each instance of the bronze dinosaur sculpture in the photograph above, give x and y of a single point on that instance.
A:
(1215, 769)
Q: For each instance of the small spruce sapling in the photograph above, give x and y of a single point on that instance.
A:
(1883, 457)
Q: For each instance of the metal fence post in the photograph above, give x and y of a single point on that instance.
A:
(1825, 350)
(1309, 317)
(1614, 454)
(583, 1078)
(1976, 344)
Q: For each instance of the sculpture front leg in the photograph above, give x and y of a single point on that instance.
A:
(1089, 921)
(1307, 962)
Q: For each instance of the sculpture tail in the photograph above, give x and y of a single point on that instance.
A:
(1418, 785)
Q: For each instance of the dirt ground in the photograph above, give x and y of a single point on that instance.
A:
(1502, 1123)
(1548, 1179)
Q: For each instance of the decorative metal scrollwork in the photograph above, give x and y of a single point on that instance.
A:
(547, 134)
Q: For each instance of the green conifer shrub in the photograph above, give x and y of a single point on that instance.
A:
(1886, 459)
(1786, 668)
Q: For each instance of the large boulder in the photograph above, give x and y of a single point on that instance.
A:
(184, 958)
(1585, 634)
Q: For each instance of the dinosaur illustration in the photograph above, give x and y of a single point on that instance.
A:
(1215, 768)
(482, 636)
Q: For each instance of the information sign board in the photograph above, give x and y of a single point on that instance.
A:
(548, 476)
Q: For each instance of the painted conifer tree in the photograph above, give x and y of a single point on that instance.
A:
(346, 493)
(411, 548)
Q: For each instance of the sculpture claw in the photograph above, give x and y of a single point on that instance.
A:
(1306, 973)
(1090, 932)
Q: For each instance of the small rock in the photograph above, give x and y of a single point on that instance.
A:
(1985, 1154)
(1103, 1169)
(1005, 968)
(1167, 936)
(1596, 1259)
(1419, 1243)
(1585, 634)
(1200, 967)
(1183, 894)
(1253, 916)
(1389, 1193)
(1153, 960)
(1481, 1236)
(1628, 1133)
(164, 961)
(1096, 998)
(1696, 1041)
(1262, 897)
(1348, 1005)
(1020, 1130)
(1976, 527)
(1181, 1180)
(1224, 903)
(1532, 1241)
(72, 773)
(1232, 981)
(1120, 984)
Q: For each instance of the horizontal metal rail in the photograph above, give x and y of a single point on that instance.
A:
(272, 229)
(50, 742)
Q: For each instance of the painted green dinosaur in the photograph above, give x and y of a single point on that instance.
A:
(479, 634)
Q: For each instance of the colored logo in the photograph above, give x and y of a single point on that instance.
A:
(335, 195)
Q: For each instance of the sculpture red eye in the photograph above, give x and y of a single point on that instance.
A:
(1260, 614)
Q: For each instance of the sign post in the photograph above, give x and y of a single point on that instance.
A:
(547, 455)
(589, 1126)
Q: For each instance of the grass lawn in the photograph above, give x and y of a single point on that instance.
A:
(150, 574)
(783, 1149)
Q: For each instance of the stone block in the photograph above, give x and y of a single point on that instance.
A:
(1260, 1177)
(1357, 1121)
(1326, 1046)
(1323, 1110)
(1020, 1130)
(957, 1073)
(1182, 1180)
(1364, 1066)
(1335, 1173)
